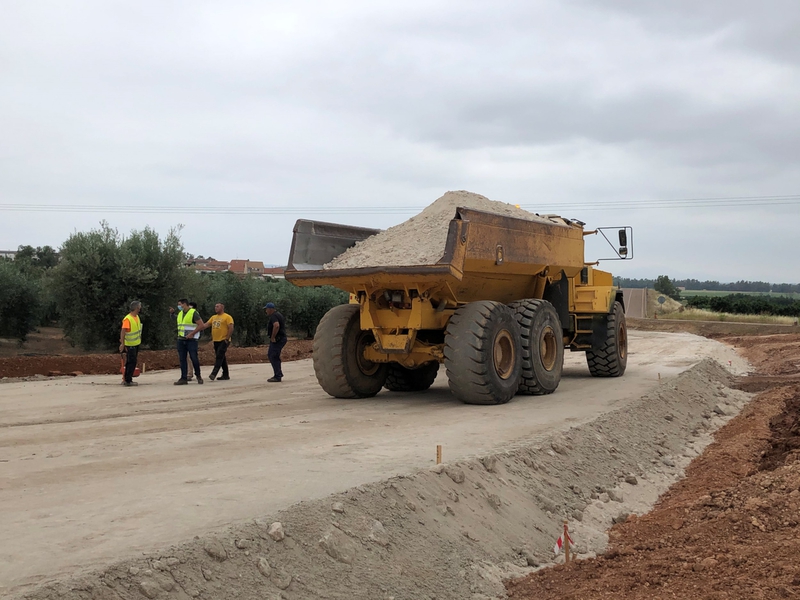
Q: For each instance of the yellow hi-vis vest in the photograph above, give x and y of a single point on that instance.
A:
(186, 323)
(134, 336)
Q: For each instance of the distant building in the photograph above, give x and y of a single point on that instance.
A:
(207, 265)
(9, 254)
(254, 267)
(238, 266)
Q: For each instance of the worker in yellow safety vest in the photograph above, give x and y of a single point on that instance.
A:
(189, 321)
(130, 337)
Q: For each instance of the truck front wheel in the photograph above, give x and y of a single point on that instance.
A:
(611, 358)
(339, 363)
(542, 346)
(483, 353)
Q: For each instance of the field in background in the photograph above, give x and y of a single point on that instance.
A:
(671, 309)
(718, 293)
(697, 314)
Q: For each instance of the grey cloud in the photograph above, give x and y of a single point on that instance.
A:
(311, 104)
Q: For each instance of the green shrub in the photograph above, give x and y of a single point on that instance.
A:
(20, 302)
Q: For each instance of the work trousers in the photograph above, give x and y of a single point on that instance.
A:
(220, 361)
(131, 355)
(188, 346)
(274, 355)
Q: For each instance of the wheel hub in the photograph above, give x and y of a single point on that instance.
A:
(622, 341)
(548, 349)
(504, 354)
(367, 367)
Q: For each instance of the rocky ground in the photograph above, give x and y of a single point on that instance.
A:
(730, 528)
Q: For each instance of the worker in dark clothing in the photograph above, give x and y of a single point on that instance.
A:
(277, 340)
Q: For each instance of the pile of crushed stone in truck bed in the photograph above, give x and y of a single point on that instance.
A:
(421, 240)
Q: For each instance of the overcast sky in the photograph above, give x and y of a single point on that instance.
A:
(560, 106)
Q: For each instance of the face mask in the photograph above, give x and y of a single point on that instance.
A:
(180, 307)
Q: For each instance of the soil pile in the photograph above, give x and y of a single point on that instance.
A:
(452, 531)
(155, 360)
(421, 240)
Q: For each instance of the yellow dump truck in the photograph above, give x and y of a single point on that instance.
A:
(498, 310)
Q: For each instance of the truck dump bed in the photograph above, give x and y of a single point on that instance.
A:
(486, 256)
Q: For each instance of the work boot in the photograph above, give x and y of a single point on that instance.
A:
(213, 375)
(129, 383)
(274, 380)
(199, 380)
(181, 382)
(224, 378)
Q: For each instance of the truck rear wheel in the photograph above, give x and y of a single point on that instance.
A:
(542, 346)
(483, 353)
(401, 379)
(611, 358)
(339, 363)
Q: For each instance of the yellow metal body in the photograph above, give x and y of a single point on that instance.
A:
(487, 257)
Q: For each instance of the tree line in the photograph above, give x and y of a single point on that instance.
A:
(745, 304)
(87, 286)
(716, 286)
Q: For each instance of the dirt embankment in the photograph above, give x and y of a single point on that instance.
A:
(730, 529)
(711, 329)
(155, 360)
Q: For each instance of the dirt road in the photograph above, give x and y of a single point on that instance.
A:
(635, 302)
(91, 472)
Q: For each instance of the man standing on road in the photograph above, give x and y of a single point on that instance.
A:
(221, 325)
(130, 337)
(188, 321)
(277, 340)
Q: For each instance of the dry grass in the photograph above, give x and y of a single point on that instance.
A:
(653, 307)
(697, 314)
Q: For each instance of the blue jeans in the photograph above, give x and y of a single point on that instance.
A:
(188, 346)
(274, 355)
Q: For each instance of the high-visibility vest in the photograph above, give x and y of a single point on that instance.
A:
(186, 323)
(134, 336)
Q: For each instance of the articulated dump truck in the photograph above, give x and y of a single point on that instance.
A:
(498, 310)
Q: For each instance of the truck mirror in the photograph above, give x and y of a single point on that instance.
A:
(623, 251)
(623, 238)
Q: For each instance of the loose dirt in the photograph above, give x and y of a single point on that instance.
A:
(723, 532)
(421, 240)
(39, 366)
(450, 531)
(715, 330)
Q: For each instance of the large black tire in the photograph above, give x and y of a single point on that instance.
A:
(542, 346)
(611, 358)
(483, 353)
(339, 361)
(401, 379)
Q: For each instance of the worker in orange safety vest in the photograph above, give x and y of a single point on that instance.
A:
(130, 338)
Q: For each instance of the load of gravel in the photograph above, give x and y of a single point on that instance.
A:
(421, 240)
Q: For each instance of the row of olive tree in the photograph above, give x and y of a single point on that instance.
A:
(244, 300)
(101, 272)
(21, 300)
(88, 286)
